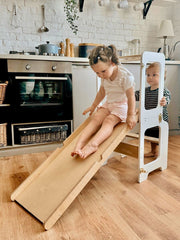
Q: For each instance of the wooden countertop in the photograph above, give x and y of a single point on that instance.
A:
(125, 59)
(46, 58)
(136, 60)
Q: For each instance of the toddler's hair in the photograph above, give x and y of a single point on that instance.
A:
(154, 64)
(104, 54)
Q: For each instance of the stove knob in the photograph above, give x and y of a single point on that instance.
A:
(54, 68)
(28, 67)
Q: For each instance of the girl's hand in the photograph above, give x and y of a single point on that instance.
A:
(131, 120)
(163, 101)
(90, 110)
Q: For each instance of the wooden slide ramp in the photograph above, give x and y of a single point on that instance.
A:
(53, 186)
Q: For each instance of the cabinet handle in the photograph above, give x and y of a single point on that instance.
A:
(40, 78)
(81, 64)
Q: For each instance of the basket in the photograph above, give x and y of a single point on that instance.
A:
(33, 135)
(2, 91)
(3, 135)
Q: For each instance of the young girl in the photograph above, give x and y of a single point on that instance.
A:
(117, 85)
(151, 101)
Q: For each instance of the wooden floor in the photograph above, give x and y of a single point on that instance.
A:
(113, 206)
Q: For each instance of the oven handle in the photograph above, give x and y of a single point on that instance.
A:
(40, 78)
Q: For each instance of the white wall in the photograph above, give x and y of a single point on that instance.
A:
(176, 24)
(96, 24)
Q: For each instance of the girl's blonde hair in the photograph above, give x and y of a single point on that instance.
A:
(104, 54)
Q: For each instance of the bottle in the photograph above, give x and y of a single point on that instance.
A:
(136, 43)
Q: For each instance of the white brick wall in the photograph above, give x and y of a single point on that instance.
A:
(96, 24)
(176, 24)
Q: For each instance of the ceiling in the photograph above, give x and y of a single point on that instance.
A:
(162, 3)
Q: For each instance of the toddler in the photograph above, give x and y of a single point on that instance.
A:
(151, 101)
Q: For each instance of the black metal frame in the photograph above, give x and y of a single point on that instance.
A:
(146, 8)
(81, 3)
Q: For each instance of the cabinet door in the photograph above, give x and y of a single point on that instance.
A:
(172, 82)
(85, 87)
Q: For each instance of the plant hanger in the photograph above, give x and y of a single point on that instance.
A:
(146, 8)
(81, 3)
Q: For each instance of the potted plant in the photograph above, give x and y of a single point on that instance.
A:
(71, 11)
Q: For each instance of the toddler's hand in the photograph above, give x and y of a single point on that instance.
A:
(163, 101)
(90, 110)
(131, 120)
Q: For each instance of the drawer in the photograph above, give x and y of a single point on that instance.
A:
(35, 66)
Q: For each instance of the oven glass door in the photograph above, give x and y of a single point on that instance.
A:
(40, 96)
(42, 90)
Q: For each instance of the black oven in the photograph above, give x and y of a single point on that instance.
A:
(38, 104)
(39, 90)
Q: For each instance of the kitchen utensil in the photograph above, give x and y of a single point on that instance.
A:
(14, 20)
(48, 49)
(71, 50)
(62, 51)
(136, 43)
(139, 6)
(103, 3)
(67, 54)
(43, 28)
(122, 4)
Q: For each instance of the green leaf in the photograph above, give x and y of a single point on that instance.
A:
(71, 11)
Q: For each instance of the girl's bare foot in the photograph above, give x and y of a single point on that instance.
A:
(74, 153)
(88, 150)
(77, 149)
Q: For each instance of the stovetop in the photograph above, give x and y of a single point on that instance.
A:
(32, 53)
(22, 53)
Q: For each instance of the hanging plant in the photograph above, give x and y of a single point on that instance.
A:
(71, 10)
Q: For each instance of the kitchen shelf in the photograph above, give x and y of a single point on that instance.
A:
(160, 3)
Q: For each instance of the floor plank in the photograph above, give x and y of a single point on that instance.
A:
(112, 206)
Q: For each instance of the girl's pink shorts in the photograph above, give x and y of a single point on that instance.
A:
(118, 109)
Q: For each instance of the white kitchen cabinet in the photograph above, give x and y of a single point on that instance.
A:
(173, 84)
(85, 85)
